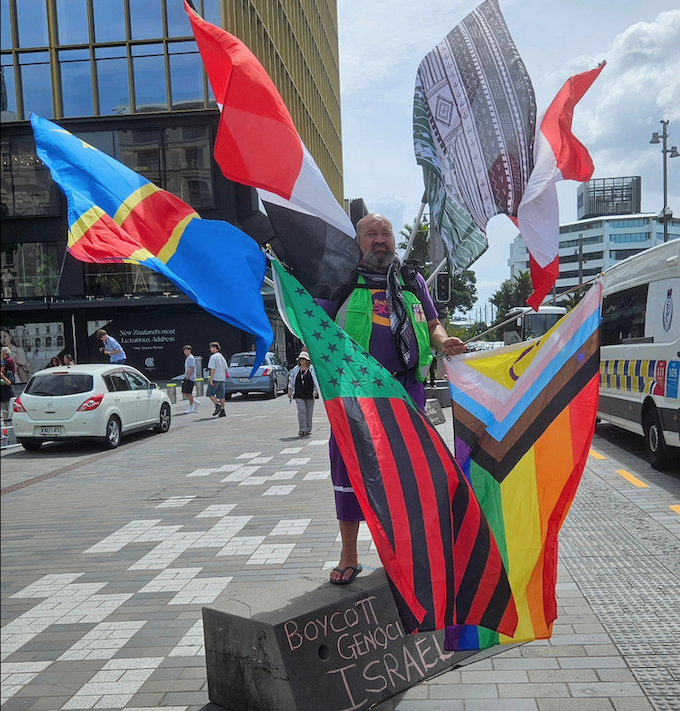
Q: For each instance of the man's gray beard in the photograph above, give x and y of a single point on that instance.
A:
(379, 261)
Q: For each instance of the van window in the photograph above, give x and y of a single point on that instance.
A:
(623, 315)
(59, 384)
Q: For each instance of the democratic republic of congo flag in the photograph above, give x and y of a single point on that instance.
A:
(524, 417)
(116, 215)
(430, 533)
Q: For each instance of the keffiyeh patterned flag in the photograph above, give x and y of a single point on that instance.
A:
(524, 417)
(432, 538)
(473, 126)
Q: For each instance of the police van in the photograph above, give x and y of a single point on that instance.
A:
(640, 350)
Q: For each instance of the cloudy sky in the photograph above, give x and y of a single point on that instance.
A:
(383, 41)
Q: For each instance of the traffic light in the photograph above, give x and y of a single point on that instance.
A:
(442, 290)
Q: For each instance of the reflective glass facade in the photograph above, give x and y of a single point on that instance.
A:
(79, 58)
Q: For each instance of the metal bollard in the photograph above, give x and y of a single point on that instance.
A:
(200, 387)
(171, 390)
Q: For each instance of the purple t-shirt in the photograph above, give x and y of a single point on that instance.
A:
(382, 346)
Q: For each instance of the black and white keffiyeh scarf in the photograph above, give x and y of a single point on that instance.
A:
(400, 325)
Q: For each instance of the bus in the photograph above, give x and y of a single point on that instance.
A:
(640, 350)
(531, 324)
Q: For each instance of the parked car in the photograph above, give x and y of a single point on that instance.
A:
(271, 377)
(88, 402)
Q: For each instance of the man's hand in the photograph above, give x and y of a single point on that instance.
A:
(442, 342)
(452, 346)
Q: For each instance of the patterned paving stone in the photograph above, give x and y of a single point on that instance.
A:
(106, 566)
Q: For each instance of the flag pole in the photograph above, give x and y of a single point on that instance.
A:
(528, 309)
(416, 225)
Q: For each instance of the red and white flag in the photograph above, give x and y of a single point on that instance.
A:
(558, 155)
(257, 144)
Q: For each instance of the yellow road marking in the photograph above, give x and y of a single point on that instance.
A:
(675, 508)
(596, 455)
(632, 479)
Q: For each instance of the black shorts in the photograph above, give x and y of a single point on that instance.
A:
(188, 386)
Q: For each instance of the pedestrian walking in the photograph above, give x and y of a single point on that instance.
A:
(6, 389)
(69, 359)
(111, 347)
(189, 380)
(55, 362)
(218, 376)
(304, 389)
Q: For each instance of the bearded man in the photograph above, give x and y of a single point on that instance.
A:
(389, 312)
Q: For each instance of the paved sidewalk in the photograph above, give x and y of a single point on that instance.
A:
(109, 557)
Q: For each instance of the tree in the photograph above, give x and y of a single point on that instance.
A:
(513, 292)
(419, 256)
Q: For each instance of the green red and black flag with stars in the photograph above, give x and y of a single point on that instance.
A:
(431, 535)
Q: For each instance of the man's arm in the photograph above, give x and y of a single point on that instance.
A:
(442, 342)
(191, 372)
(115, 347)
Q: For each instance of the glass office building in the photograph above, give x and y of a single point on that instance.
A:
(126, 76)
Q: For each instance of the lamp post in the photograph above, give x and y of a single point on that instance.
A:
(673, 150)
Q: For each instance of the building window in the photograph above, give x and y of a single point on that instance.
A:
(8, 96)
(36, 82)
(140, 151)
(109, 20)
(76, 82)
(624, 237)
(112, 78)
(145, 19)
(32, 21)
(72, 22)
(149, 78)
(27, 188)
(178, 22)
(189, 165)
(120, 279)
(186, 76)
(597, 239)
(33, 269)
(618, 254)
(638, 222)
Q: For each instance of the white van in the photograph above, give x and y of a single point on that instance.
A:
(640, 350)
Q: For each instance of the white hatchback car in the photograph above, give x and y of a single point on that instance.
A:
(88, 402)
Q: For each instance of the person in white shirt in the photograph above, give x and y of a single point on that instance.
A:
(189, 380)
(218, 375)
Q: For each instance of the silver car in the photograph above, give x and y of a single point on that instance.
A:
(88, 402)
(271, 377)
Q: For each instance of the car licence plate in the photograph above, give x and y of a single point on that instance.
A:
(47, 431)
(243, 380)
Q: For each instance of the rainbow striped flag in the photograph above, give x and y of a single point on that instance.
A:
(116, 215)
(524, 417)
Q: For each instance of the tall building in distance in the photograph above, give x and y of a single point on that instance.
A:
(609, 196)
(126, 76)
(610, 228)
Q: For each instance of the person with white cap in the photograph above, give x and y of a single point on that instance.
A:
(303, 387)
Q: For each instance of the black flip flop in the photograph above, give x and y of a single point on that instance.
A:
(355, 571)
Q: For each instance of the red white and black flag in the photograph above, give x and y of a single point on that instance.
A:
(258, 145)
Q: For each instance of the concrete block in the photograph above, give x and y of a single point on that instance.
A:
(441, 392)
(306, 645)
